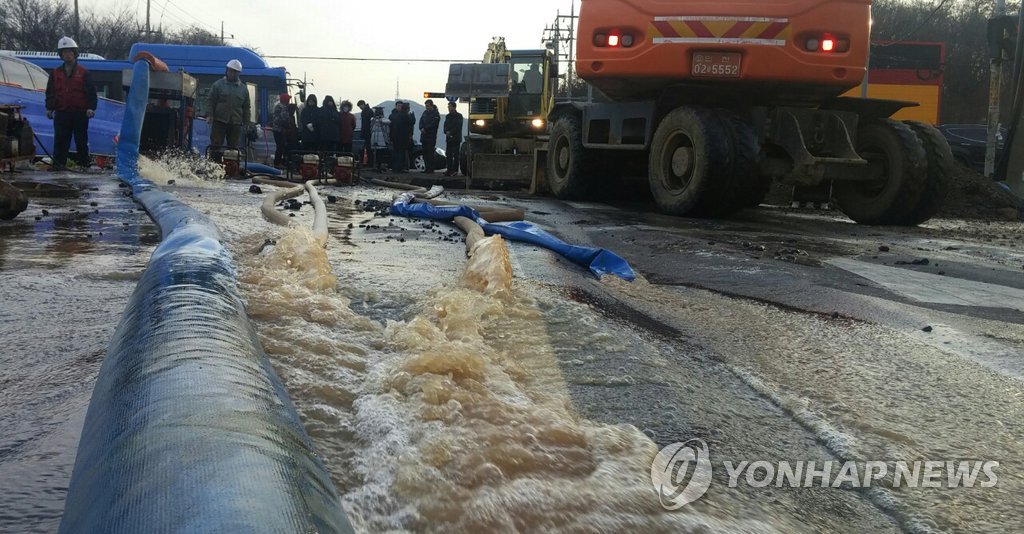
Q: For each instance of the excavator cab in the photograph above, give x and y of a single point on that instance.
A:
(530, 100)
(510, 94)
(523, 111)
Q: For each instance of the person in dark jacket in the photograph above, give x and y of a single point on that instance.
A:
(228, 108)
(283, 122)
(366, 120)
(348, 127)
(453, 138)
(70, 101)
(307, 125)
(430, 121)
(402, 126)
(329, 125)
(292, 133)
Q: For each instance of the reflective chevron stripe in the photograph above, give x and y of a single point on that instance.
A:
(720, 30)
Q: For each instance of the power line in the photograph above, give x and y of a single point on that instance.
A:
(380, 59)
(191, 16)
(170, 16)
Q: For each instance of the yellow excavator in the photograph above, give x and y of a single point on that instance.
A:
(510, 94)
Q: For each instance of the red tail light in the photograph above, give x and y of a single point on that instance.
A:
(615, 39)
(826, 43)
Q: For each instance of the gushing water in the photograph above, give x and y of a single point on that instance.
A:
(178, 169)
(457, 418)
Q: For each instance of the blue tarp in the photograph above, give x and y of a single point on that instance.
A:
(600, 261)
(102, 128)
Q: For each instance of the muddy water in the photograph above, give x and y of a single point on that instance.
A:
(446, 394)
(455, 419)
(442, 409)
(64, 280)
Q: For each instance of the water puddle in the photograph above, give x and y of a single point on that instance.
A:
(67, 268)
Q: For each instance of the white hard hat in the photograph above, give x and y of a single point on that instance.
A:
(66, 42)
(234, 64)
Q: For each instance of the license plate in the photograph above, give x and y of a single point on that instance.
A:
(716, 64)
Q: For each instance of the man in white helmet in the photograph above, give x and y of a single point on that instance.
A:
(70, 101)
(228, 107)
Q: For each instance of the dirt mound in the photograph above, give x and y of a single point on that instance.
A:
(972, 196)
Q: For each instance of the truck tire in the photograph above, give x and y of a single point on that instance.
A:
(896, 148)
(750, 187)
(940, 172)
(570, 166)
(690, 167)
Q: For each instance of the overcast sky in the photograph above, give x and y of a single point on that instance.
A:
(451, 29)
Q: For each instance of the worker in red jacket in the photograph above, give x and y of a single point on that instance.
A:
(70, 101)
(348, 127)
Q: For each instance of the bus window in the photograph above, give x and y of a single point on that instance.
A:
(253, 104)
(203, 95)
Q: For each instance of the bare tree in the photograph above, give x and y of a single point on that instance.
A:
(110, 36)
(193, 35)
(38, 24)
(962, 26)
(34, 24)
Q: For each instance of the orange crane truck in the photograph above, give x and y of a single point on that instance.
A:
(715, 99)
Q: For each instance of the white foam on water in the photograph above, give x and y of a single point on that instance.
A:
(188, 171)
(457, 419)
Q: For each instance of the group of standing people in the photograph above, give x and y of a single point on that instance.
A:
(325, 128)
(403, 124)
(71, 101)
(320, 127)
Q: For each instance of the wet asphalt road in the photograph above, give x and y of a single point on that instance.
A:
(777, 335)
(787, 335)
(857, 339)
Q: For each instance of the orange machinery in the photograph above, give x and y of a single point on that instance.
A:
(783, 48)
(714, 99)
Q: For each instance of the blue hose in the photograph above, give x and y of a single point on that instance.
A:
(189, 428)
(259, 168)
(598, 260)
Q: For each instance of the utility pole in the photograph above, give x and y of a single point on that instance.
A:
(147, 19)
(572, 44)
(222, 36)
(78, 30)
(994, 90)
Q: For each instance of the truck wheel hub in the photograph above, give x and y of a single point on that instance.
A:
(682, 162)
(563, 158)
